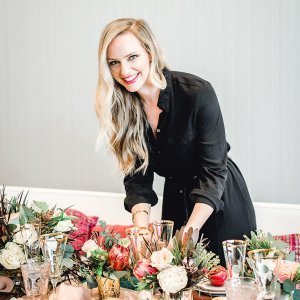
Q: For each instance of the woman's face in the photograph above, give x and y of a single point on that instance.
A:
(129, 62)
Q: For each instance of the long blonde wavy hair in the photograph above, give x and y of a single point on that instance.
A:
(120, 113)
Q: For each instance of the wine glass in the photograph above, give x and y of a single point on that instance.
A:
(30, 234)
(163, 231)
(53, 247)
(265, 264)
(140, 240)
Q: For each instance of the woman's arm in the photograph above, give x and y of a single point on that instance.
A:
(199, 216)
(141, 214)
(211, 158)
(140, 196)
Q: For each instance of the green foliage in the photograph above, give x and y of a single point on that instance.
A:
(288, 286)
(40, 206)
(262, 240)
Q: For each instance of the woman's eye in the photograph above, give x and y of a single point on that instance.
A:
(132, 57)
(112, 63)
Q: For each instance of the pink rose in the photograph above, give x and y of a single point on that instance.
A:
(118, 257)
(143, 268)
(287, 270)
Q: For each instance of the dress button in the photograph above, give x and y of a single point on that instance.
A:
(157, 130)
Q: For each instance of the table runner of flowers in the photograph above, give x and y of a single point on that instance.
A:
(179, 266)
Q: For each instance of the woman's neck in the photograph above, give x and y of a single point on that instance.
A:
(149, 95)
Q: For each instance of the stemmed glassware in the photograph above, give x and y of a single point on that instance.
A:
(163, 231)
(235, 254)
(140, 240)
(53, 248)
(30, 234)
(265, 264)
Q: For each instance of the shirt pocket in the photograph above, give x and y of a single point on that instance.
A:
(182, 138)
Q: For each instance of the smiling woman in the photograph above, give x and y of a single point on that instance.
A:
(157, 120)
(129, 62)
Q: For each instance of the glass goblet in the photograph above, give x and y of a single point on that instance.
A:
(265, 264)
(163, 231)
(53, 247)
(140, 240)
(30, 234)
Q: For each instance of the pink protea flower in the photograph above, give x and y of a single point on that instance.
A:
(143, 268)
(118, 257)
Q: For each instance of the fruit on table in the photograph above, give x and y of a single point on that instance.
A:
(217, 276)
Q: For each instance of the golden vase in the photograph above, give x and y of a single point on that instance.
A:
(108, 288)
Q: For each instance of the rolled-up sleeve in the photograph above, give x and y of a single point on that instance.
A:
(211, 150)
(139, 189)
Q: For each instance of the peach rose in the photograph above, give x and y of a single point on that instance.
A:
(287, 270)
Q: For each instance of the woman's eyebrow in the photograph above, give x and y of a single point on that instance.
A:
(124, 56)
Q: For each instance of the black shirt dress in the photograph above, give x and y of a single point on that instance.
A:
(190, 151)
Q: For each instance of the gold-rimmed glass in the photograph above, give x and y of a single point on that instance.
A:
(140, 240)
(265, 264)
(30, 234)
(53, 247)
(162, 232)
(235, 254)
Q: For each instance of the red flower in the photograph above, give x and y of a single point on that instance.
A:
(143, 268)
(217, 275)
(118, 257)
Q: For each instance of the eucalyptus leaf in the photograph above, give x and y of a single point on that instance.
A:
(291, 256)
(280, 245)
(91, 282)
(119, 274)
(296, 295)
(265, 269)
(69, 250)
(29, 213)
(22, 216)
(67, 262)
(288, 286)
(40, 206)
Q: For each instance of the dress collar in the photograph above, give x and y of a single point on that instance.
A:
(164, 96)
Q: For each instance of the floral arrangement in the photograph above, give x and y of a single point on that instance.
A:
(17, 217)
(105, 255)
(178, 267)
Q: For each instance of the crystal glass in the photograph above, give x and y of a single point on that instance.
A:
(36, 277)
(30, 234)
(245, 288)
(140, 240)
(53, 248)
(235, 254)
(265, 264)
(163, 232)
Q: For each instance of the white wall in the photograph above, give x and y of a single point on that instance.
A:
(249, 50)
(276, 218)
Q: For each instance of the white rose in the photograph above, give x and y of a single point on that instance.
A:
(161, 259)
(64, 226)
(88, 246)
(26, 235)
(11, 257)
(173, 279)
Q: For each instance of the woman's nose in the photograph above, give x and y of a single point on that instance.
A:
(124, 69)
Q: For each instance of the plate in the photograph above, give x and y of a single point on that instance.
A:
(206, 287)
